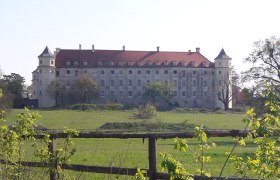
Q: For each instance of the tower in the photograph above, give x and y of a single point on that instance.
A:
(223, 83)
(42, 77)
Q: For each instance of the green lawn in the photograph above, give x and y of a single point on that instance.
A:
(133, 152)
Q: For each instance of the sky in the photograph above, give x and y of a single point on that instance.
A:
(27, 27)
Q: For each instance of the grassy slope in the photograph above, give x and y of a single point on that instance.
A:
(132, 152)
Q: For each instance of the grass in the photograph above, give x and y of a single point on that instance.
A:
(134, 152)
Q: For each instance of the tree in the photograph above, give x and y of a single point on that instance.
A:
(159, 89)
(84, 88)
(15, 84)
(265, 61)
(225, 92)
(56, 90)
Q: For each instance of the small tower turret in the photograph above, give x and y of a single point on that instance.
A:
(42, 77)
(223, 81)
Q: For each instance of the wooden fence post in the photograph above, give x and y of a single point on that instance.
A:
(51, 151)
(152, 158)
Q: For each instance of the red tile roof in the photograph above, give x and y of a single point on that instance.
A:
(122, 58)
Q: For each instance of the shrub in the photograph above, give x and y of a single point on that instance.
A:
(146, 111)
(89, 107)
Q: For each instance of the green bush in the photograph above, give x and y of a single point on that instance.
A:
(89, 107)
(146, 111)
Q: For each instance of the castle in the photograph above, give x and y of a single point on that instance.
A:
(122, 75)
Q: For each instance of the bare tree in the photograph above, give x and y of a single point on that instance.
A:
(56, 90)
(225, 91)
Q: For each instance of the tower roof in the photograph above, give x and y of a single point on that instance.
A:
(222, 55)
(46, 53)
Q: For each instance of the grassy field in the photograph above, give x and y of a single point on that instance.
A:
(133, 152)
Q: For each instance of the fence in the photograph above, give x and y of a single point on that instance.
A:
(152, 137)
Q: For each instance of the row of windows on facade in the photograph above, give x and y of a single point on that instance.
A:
(129, 63)
(52, 62)
(102, 72)
(139, 93)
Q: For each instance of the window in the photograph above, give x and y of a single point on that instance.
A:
(148, 82)
(99, 63)
(138, 63)
(184, 73)
(76, 73)
(112, 72)
(67, 83)
(148, 72)
(194, 83)
(68, 63)
(205, 72)
(175, 93)
(139, 82)
(129, 63)
(165, 63)
(130, 82)
(175, 82)
(121, 71)
(102, 72)
(102, 93)
(112, 83)
(111, 63)
(150, 63)
(85, 63)
(157, 63)
(76, 63)
(183, 83)
(85, 71)
(34, 76)
(184, 93)
(130, 93)
(139, 72)
(68, 72)
(157, 71)
(165, 71)
(121, 82)
(40, 93)
(57, 73)
(102, 82)
(194, 72)
(174, 63)
(175, 71)
(112, 93)
(220, 82)
(40, 70)
(220, 72)
(213, 73)
(121, 93)
(40, 61)
(130, 72)
(139, 93)
(51, 62)
(194, 93)
(40, 82)
(204, 93)
(205, 83)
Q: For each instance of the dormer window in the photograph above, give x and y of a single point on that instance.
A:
(192, 63)
(138, 63)
(174, 63)
(99, 63)
(76, 63)
(182, 63)
(111, 63)
(129, 63)
(165, 63)
(150, 63)
(204, 64)
(85, 63)
(68, 63)
(157, 63)
(120, 63)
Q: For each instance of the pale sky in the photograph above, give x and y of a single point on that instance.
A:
(26, 27)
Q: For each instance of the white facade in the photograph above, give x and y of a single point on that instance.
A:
(194, 85)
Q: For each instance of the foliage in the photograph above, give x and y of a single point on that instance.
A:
(176, 169)
(100, 107)
(56, 90)
(6, 101)
(15, 84)
(159, 89)
(265, 130)
(84, 88)
(58, 156)
(12, 140)
(146, 111)
(141, 174)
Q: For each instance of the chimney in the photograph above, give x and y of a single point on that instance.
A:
(157, 48)
(56, 51)
(92, 48)
(197, 49)
(80, 46)
(123, 48)
(190, 51)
